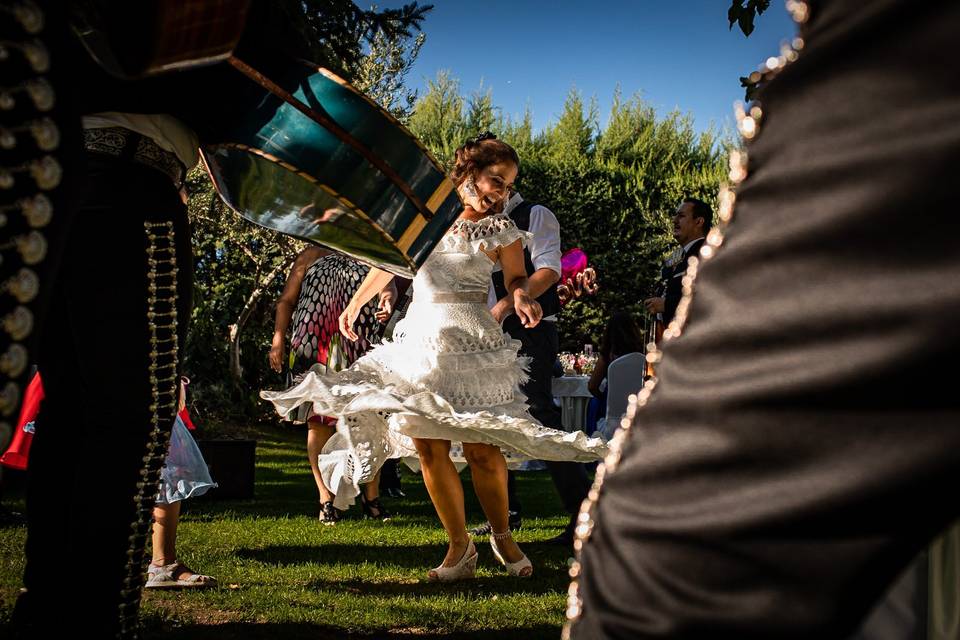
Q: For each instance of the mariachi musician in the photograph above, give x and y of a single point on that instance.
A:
(653, 322)
(691, 223)
(97, 164)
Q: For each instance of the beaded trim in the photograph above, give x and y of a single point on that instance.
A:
(748, 123)
(164, 389)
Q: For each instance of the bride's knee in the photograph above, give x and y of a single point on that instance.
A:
(431, 451)
(484, 457)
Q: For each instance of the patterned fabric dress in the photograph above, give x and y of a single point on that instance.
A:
(327, 287)
(450, 373)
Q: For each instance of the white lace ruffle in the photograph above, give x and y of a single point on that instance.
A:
(486, 234)
(378, 421)
(467, 380)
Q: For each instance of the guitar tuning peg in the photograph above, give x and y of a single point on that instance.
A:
(24, 286)
(46, 172)
(19, 323)
(46, 134)
(37, 210)
(9, 398)
(40, 92)
(15, 360)
(37, 55)
(7, 139)
(32, 247)
(29, 16)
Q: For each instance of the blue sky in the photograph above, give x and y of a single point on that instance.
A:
(676, 53)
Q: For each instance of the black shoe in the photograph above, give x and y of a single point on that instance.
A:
(373, 509)
(515, 523)
(329, 514)
(394, 492)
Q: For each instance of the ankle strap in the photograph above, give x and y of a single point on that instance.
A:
(501, 536)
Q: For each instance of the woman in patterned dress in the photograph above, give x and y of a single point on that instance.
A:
(318, 288)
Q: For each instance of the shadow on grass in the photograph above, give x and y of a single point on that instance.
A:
(549, 560)
(291, 631)
(502, 585)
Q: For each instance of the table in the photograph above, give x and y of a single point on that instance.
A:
(573, 395)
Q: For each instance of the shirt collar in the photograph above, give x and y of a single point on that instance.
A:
(686, 247)
(512, 203)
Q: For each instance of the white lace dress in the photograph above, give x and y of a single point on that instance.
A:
(450, 373)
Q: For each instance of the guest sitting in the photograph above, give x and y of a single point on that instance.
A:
(622, 336)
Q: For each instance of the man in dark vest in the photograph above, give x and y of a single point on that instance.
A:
(691, 223)
(541, 343)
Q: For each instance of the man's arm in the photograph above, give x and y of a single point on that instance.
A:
(545, 254)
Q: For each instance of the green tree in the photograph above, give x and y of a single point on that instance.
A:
(572, 137)
(481, 113)
(381, 74)
(438, 118)
(333, 32)
(520, 135)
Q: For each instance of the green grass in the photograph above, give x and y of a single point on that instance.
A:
(283, 575)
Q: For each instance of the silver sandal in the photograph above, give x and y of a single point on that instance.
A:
(165, 577)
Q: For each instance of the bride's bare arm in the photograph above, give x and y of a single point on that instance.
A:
(518, 285)
(373, 284)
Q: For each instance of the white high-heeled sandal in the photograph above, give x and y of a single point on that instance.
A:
(513, 568)
(465, 568)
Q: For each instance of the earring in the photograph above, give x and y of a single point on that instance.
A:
(468, 189)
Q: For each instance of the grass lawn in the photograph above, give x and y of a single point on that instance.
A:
(284, 575)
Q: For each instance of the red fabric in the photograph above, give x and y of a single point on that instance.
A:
(185, 416)
(330, 421)
(18, 453)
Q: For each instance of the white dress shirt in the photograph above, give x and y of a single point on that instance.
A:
(169, 133)
(544, 246)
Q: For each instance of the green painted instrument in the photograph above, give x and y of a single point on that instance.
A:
(318, 160)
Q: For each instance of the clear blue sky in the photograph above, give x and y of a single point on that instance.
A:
(677, 53)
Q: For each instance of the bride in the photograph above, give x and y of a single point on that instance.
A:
(450, 375)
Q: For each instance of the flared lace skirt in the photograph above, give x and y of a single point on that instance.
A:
(450, 373)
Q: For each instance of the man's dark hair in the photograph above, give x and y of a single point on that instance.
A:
(701, 210)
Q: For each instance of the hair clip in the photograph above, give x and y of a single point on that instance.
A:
(485, 135)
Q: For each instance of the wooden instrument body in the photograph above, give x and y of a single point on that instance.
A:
(137, 38)
(284, 170)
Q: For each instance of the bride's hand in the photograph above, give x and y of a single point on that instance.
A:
(527, 309)
(345, 322)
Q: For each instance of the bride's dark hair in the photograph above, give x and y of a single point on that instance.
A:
(479, 152)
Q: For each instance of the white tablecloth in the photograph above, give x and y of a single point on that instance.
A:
(573, 395)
